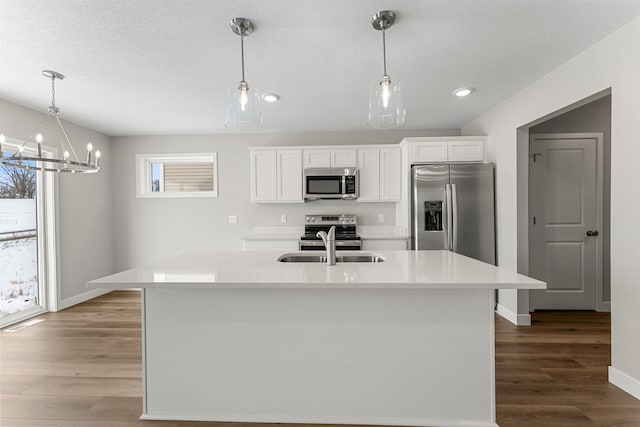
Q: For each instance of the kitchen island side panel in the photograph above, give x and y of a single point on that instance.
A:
(370, 356)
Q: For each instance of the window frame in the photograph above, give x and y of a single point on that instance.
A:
(144, 177)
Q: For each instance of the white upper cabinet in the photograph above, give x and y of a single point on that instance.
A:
(263, 176)
(452, 149)
(330, 158)
(369, 174)
(276, 176)
(289, 176)
(390, 174)
(343, 159)
(465, 151)
(432, 151)
(317, 158)
(380, 174)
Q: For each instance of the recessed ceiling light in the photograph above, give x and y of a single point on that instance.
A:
(270, 97)
(464, 91)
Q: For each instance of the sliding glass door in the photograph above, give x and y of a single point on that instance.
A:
(22, 288)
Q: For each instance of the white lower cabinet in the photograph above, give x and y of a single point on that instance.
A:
(276, 176)
(380, 174)
(384, 245)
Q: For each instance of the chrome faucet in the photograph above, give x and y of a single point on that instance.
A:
(329, 243)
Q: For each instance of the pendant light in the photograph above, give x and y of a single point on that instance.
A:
(386, 109)
(243, 102)
(51, 132)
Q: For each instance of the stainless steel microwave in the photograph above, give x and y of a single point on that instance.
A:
(331, 183)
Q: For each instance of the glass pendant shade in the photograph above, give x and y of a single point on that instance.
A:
(243, 108)
(386, 108)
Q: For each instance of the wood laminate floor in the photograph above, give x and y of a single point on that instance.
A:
(82, 367)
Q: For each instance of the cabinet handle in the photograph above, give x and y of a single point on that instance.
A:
(592, 232)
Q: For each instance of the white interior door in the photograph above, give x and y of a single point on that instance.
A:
(565, 210)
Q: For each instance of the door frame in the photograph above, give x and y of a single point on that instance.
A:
(47, 247)
(599, 304)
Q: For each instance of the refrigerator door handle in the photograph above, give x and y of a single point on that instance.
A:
(454, 220)
(449, 216)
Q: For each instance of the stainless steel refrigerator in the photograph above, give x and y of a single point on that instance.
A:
(453, 208)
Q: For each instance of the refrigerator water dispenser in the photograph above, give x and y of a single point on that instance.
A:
(433, 215)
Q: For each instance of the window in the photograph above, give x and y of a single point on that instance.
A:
(177, 175)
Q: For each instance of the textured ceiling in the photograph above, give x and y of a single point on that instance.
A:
(164, 66)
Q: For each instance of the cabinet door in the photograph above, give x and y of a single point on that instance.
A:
(289, 176)
(343, 158)
(390, 174)
(317, 158)
(429, 152)
(466, 151)
(369, 174)
(263, 176)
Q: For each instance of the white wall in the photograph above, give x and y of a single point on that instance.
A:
(153, 229)
(613, 62)
(85, 226)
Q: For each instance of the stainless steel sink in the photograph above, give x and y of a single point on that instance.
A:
(339, 258)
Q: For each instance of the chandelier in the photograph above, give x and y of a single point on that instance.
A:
(29, 155)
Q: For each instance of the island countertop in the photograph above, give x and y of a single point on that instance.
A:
(254, 270)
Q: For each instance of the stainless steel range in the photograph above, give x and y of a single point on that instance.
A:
(346, 237)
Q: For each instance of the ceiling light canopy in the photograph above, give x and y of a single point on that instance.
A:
(50, 133)
(386, 108)
(243, 102)
(464, 91)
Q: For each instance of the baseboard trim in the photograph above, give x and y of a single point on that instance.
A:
(604, 306)
(515, 318)
(624, 382)
(319, 420)
(77, 299)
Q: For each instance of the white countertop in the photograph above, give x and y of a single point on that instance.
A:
(382, 236)
(400, 270)
(265, 236)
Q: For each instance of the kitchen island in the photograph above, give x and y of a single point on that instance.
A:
(239, 336)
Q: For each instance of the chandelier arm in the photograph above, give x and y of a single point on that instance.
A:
(75, 156)
(30, 138)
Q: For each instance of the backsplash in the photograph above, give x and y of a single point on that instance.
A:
(367, 213)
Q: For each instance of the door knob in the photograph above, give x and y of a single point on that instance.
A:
(592, 232)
